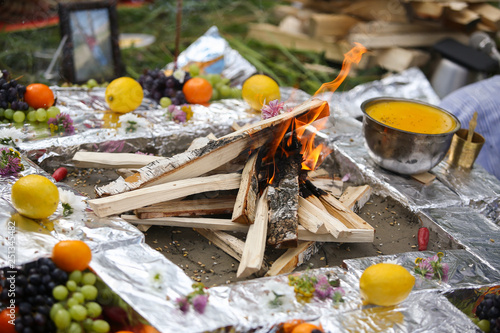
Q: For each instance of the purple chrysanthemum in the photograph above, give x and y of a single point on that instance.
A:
(323, 289)
(272, 109)
(200, 302)
(426, 269)
(446, 270)
(183, 304)
(10, 162)
(61, 124)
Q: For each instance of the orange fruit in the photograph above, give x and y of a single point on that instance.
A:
(307, 328)
(71, 255)
(39, 95)
(35, 196)
(5, 319)
(290, 325)
(197, 90)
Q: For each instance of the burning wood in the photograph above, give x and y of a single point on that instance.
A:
(283, 199)
(196, 162)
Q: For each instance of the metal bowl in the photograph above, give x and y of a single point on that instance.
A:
(402, 151)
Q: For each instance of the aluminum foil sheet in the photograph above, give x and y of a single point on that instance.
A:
(96, 128)
(35, 239)
(211, 46)
(478, 234)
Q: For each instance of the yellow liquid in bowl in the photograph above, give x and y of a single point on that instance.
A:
(412, 117)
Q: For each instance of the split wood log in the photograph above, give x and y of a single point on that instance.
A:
(355, 197)
(340, 211)
(463, 18)
(196, 162)
(330, 25)
(370, 10)
(268, 33)
(424, 177)
(255, 244)
(490, 15)
(333, 186)
(123, 202)
(226, 242)
(86, 159)
(283, 199)
(201, 141)
(231, 245)
(198, 207)
(427, 10)
(422, 39)
(397, 59)
(353, 236)
(246, 200)
(293, 258)
(310, 213)
(318, 173)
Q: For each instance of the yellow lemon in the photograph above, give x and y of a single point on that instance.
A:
(260, 89)
(35, 196)
(385, 284)
(124, 95)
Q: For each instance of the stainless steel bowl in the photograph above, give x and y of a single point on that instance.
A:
(401, 151)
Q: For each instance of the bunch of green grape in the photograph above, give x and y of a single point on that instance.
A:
(77, 309)
(30, 115)
(91, 83)
(220, 85)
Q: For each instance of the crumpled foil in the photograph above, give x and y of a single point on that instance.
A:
(463, 209)
(212, 46)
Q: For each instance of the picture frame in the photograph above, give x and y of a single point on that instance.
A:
(91, 48)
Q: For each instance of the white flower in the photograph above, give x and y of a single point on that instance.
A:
(130, 123)
(157, 278)
(72, 204)
(278, 295)
(10, 136)
(179, 75)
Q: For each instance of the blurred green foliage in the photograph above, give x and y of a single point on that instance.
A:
(27, 53)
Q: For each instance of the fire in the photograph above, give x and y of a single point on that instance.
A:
(353, 56)
(306, 127)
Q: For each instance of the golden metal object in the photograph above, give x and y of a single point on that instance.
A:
(463, 152)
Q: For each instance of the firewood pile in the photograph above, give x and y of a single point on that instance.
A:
(399, 34)
(265, 178)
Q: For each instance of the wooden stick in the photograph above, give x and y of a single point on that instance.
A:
(353, 236)
(223, 205)
(231, 245)
(86, 159)
(199, 161)
(339, 210)
(244, 207)
(312, 218)
(355, 198)
(147, 196)
(293, 258)
(226, 242)
(255, 244)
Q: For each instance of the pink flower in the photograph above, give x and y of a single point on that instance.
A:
(272, 109)
(200, 302)
(323, 289)
(183, 304)
(10, 162)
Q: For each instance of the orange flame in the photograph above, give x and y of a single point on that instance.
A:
(306, 126)
(353, 56)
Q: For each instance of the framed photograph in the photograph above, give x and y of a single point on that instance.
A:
(91, 49)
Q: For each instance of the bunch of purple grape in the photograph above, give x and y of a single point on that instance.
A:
(489, 310)
(11, 93)
(30, 288)
(157, 85)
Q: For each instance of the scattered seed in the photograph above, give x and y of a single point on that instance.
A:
(492, 240)
(322, 258)
(413, 246)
